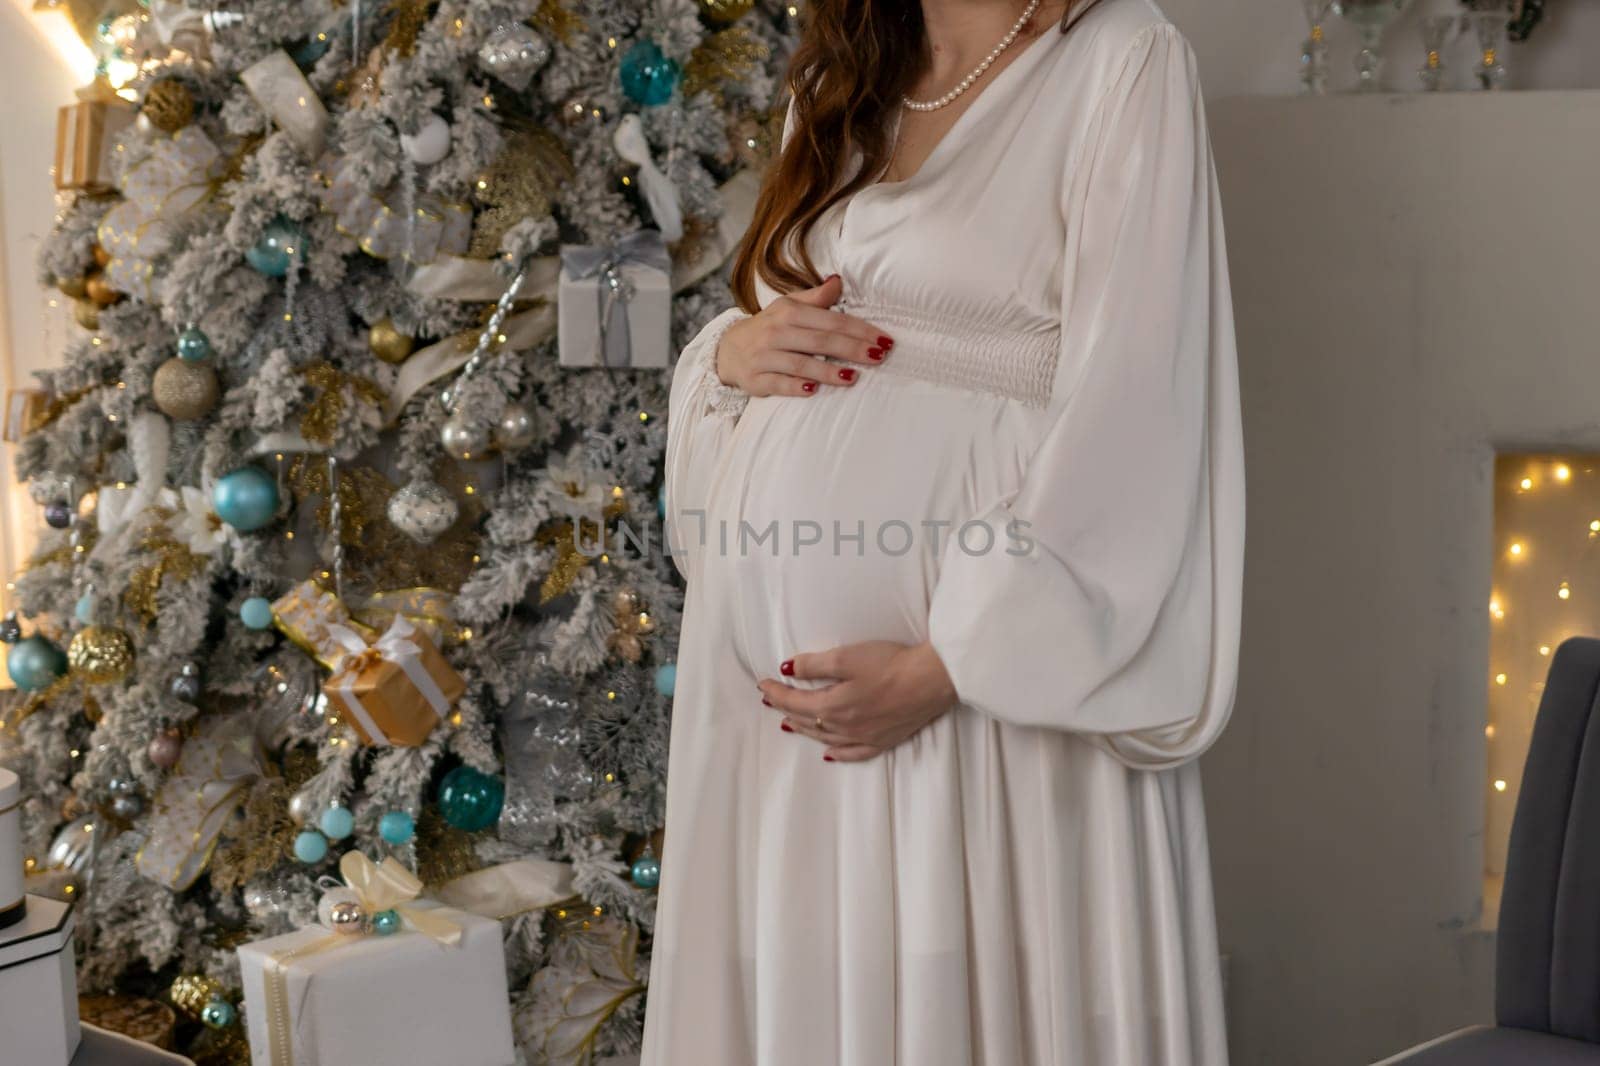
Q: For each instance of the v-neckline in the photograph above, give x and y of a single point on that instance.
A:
(956, 127)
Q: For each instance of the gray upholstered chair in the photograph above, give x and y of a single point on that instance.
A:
(1547, 956)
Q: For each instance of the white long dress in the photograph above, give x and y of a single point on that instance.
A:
(1026, 881)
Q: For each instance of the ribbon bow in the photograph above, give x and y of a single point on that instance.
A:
(389, 886)
(177, 176)
(643, 248)
(659, 191)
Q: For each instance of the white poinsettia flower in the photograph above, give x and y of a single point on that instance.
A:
(581, 485)
(196, 524)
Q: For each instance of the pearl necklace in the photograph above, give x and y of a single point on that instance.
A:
(977, 72)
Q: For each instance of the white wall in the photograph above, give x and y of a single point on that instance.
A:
(1415, 288)
(39, 78)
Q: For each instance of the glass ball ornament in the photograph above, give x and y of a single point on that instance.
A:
(36, 663)
(397, 828)
(470, 799)
(184, 391)
(513, 53)
(83, 610)
(86, 314)
(101, 293)
(314, 48)
(422, 511)
(647, 871)
(218, 1014)
(516, 428)
(246, 498)
(277, 248)
(72, 848)
(310, 846)
(10, 629)
(463, 438)
(127, 807)
(431, 142)
(164, 749)
(58, 515)
(73, 288)
(187, 686)
(100, 654)
(649, 77)
(386, 923)
(337, 823)
(193, 345)
(256, 612)
(666, 678)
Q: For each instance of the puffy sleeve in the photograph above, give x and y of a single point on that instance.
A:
(701, 416)
(1120, 620)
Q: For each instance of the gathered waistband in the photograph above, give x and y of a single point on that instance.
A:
(965, 353)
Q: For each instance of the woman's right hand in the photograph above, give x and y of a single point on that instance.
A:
(772, 353)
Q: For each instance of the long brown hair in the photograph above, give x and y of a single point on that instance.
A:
(855, 60)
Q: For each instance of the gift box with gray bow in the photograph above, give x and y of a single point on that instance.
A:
(615, 303)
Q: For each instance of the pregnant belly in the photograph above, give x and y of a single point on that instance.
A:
(829, 525)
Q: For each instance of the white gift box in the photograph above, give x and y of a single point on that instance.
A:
(403, 998)
(12, 905)
(39, 986)
(627, 287)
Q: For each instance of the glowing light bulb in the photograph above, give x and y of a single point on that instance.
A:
(1526, 483)
(1488, 730)
(1499, 784)
(1499, 679)
(1565, 591)
(1563, 472)
(1496, 609)
(1516, 548)
(1544, 649)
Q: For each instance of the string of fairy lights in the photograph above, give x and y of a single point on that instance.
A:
(1547, 526)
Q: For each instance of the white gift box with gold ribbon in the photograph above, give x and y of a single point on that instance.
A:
(405, 998)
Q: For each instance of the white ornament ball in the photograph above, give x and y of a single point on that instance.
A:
(430, 143)
(422, 511)
(464, 439)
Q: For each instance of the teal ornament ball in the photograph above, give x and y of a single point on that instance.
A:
(280, 243)
(648, 76)
(218, 1014)
(396, 827)
(35, 664)
(337, 823)
(256, 612)
(647, 871)
(194, 346)
(471, 800)
(315, 47)
(666, 678)
(246, 498)
(310, 846)
(385, 923)
(83, 611)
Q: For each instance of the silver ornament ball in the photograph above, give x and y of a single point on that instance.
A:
(301, 808)
(463, 438)
(514, 53)
(516, 428)
(422, 511)
(346, 916)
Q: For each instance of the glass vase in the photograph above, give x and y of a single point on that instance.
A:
(1436, 33)
(1314, 49)
(1490, 28)
(1371, 18)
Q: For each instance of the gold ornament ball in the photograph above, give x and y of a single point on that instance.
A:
(629, 648)
(388, 343)
(723, 12)
(77, 288)
(183, 390)
(169, 105)
(100, 290)
(101, 256)
(86, 313)
(192, 992)
(100, 654)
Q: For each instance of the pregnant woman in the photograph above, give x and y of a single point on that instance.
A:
(958, 493)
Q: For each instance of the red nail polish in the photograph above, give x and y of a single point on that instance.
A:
(886, 343)
(875, 354)
(787, 728)
(847, 374)
(786, 668)
(767, 703)
(827, 758)
(809, 387)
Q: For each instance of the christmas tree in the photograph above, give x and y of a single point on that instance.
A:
(316, 402)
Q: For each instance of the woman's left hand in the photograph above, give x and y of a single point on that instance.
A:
(881, 693)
